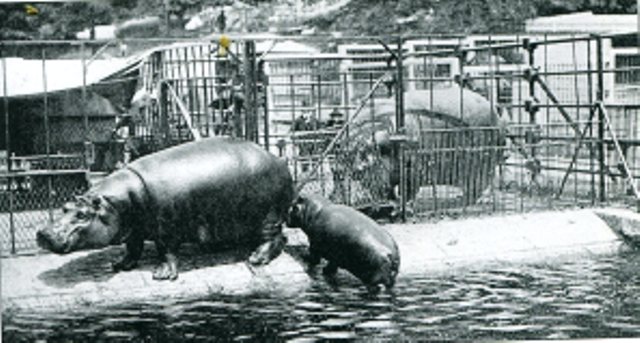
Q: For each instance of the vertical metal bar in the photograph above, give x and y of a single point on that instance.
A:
(487, 135)
(163, 102)
(204, 59)
(576, 91)
(548, 108)
(590, 99)
(85, 115)
(249, 87)
(5, 101)
(400, 129)
(47, 133)
(532, 93)
(194, 99)
(187, 82)
(265, 103)
(318, 115)
(461, 57)
(295, 150)
(170, 104)
(7, 121)
(345, 101)
(600, 99)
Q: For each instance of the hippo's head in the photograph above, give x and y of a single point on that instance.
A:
(86, 223)
(304, 209)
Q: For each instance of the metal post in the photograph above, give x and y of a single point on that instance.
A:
(85, 115)
(530, 106)
(250, 108)
(600, 99)
(592, 181)
(400, 130)
(295, 154)
(5, 98)
(47, 132)
(265, 104)
(7, 139)
(315, 128)
(163, 101)
(347, 176)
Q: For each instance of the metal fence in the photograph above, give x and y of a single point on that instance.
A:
(558, 126)
(418, 127)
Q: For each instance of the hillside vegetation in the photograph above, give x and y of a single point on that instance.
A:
(354, 17)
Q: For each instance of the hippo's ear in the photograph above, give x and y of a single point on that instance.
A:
(69, 206)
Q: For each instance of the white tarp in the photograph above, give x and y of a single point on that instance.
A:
(30, 77)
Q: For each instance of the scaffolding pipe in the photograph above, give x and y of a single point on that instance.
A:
(616, 143)
(184, 112)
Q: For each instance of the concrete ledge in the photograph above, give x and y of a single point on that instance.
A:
(53, 282)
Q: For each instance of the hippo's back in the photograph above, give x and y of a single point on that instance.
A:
(215, 180)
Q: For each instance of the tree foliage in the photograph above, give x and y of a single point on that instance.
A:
(359, 17)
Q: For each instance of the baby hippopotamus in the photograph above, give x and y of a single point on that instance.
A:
(347, 239)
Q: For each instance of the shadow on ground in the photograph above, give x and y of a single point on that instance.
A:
(97, 266)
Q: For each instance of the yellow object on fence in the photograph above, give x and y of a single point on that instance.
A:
(224, 43)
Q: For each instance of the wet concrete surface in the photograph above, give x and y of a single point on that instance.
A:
(54, 282)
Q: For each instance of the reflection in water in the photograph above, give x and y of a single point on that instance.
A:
(599, 297)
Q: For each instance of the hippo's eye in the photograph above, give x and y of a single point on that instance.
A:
(82, 215)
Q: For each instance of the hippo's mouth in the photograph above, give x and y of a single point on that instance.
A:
(47, 242)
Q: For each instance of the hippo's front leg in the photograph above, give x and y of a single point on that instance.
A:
(168, 267)
(133, 251)
(167, 246)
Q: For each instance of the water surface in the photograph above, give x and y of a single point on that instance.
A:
(586, 298)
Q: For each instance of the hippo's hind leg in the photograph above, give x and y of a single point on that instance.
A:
(272, 240)
(133, 250)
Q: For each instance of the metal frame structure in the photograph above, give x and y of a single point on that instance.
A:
(550, 147)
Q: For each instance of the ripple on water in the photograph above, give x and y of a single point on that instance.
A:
(336, 335)
(431, 320)
(304, 339)
(112, 334)
(375, 325)
(503, 316)
(336, 322)
(508, 328)
(625, 327)
(310, 305)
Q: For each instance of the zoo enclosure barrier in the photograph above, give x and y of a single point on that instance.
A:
(565, 133)
(376, 123)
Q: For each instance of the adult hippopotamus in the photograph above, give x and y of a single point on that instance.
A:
(220, 192)
(452, 139)
(347, 239)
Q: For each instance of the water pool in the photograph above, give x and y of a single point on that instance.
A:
(595, 297)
